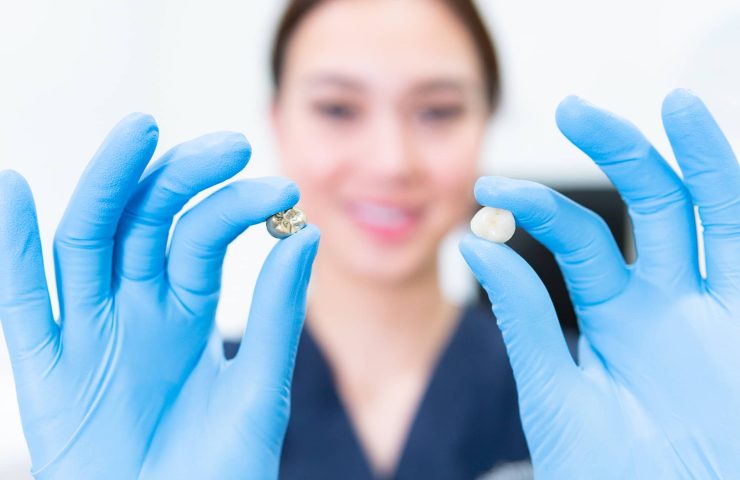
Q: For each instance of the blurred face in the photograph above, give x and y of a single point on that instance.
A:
(380, 120)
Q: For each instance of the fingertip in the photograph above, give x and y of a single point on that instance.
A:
(597, 132)
(467, 246)
(311, 234)
(305, 242)
(573, 102)
(290, 191)
(230, 150)
(486, 256)
(489, 191)
(15, 193)
(139, 121)
(238, 138)
(232, 141)
(476, 252)
(290, 194)
(274, 193)
(682, 92)
(494, 191)
(242, 145)
(497, 267)
(10, 180)
(680, 101)
(483, 188)
(139, 129)
(574, 111)
(528, 201)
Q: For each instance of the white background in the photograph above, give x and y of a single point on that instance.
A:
(70, 70)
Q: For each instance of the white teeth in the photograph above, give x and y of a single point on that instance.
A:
(379, 215)
(493, 224)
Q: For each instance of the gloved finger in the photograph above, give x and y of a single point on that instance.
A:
(25, 309)
(264, 364)
(83, 246)
(202, 234)
(539, 356)
(589, 258)
(659, 205)
(184, 171)
(712, 175)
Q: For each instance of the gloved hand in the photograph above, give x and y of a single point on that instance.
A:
(656, 392)
(132, 382)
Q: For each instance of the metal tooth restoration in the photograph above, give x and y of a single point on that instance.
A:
(286, 223)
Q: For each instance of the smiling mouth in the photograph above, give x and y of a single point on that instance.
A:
(387, 223)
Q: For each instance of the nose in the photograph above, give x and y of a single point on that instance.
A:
(392, 150)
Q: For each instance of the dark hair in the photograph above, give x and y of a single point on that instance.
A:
(465, 10)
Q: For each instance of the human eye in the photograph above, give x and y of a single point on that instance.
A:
(441, 113)
(340, 111)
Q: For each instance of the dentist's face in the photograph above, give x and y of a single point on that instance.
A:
(380, 119)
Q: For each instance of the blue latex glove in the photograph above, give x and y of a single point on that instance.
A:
(656, 393)
(132, 382)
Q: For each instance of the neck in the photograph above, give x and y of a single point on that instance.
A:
(396, 324)
(382, 340)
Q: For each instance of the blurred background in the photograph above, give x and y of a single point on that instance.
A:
(70, 70)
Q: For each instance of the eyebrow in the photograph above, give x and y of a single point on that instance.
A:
(442, 84)
(425, 87)
(335, 80)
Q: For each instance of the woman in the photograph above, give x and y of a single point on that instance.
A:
(380, 111)
(380, 123)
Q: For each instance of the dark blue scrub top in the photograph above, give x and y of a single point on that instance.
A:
(467, 422)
